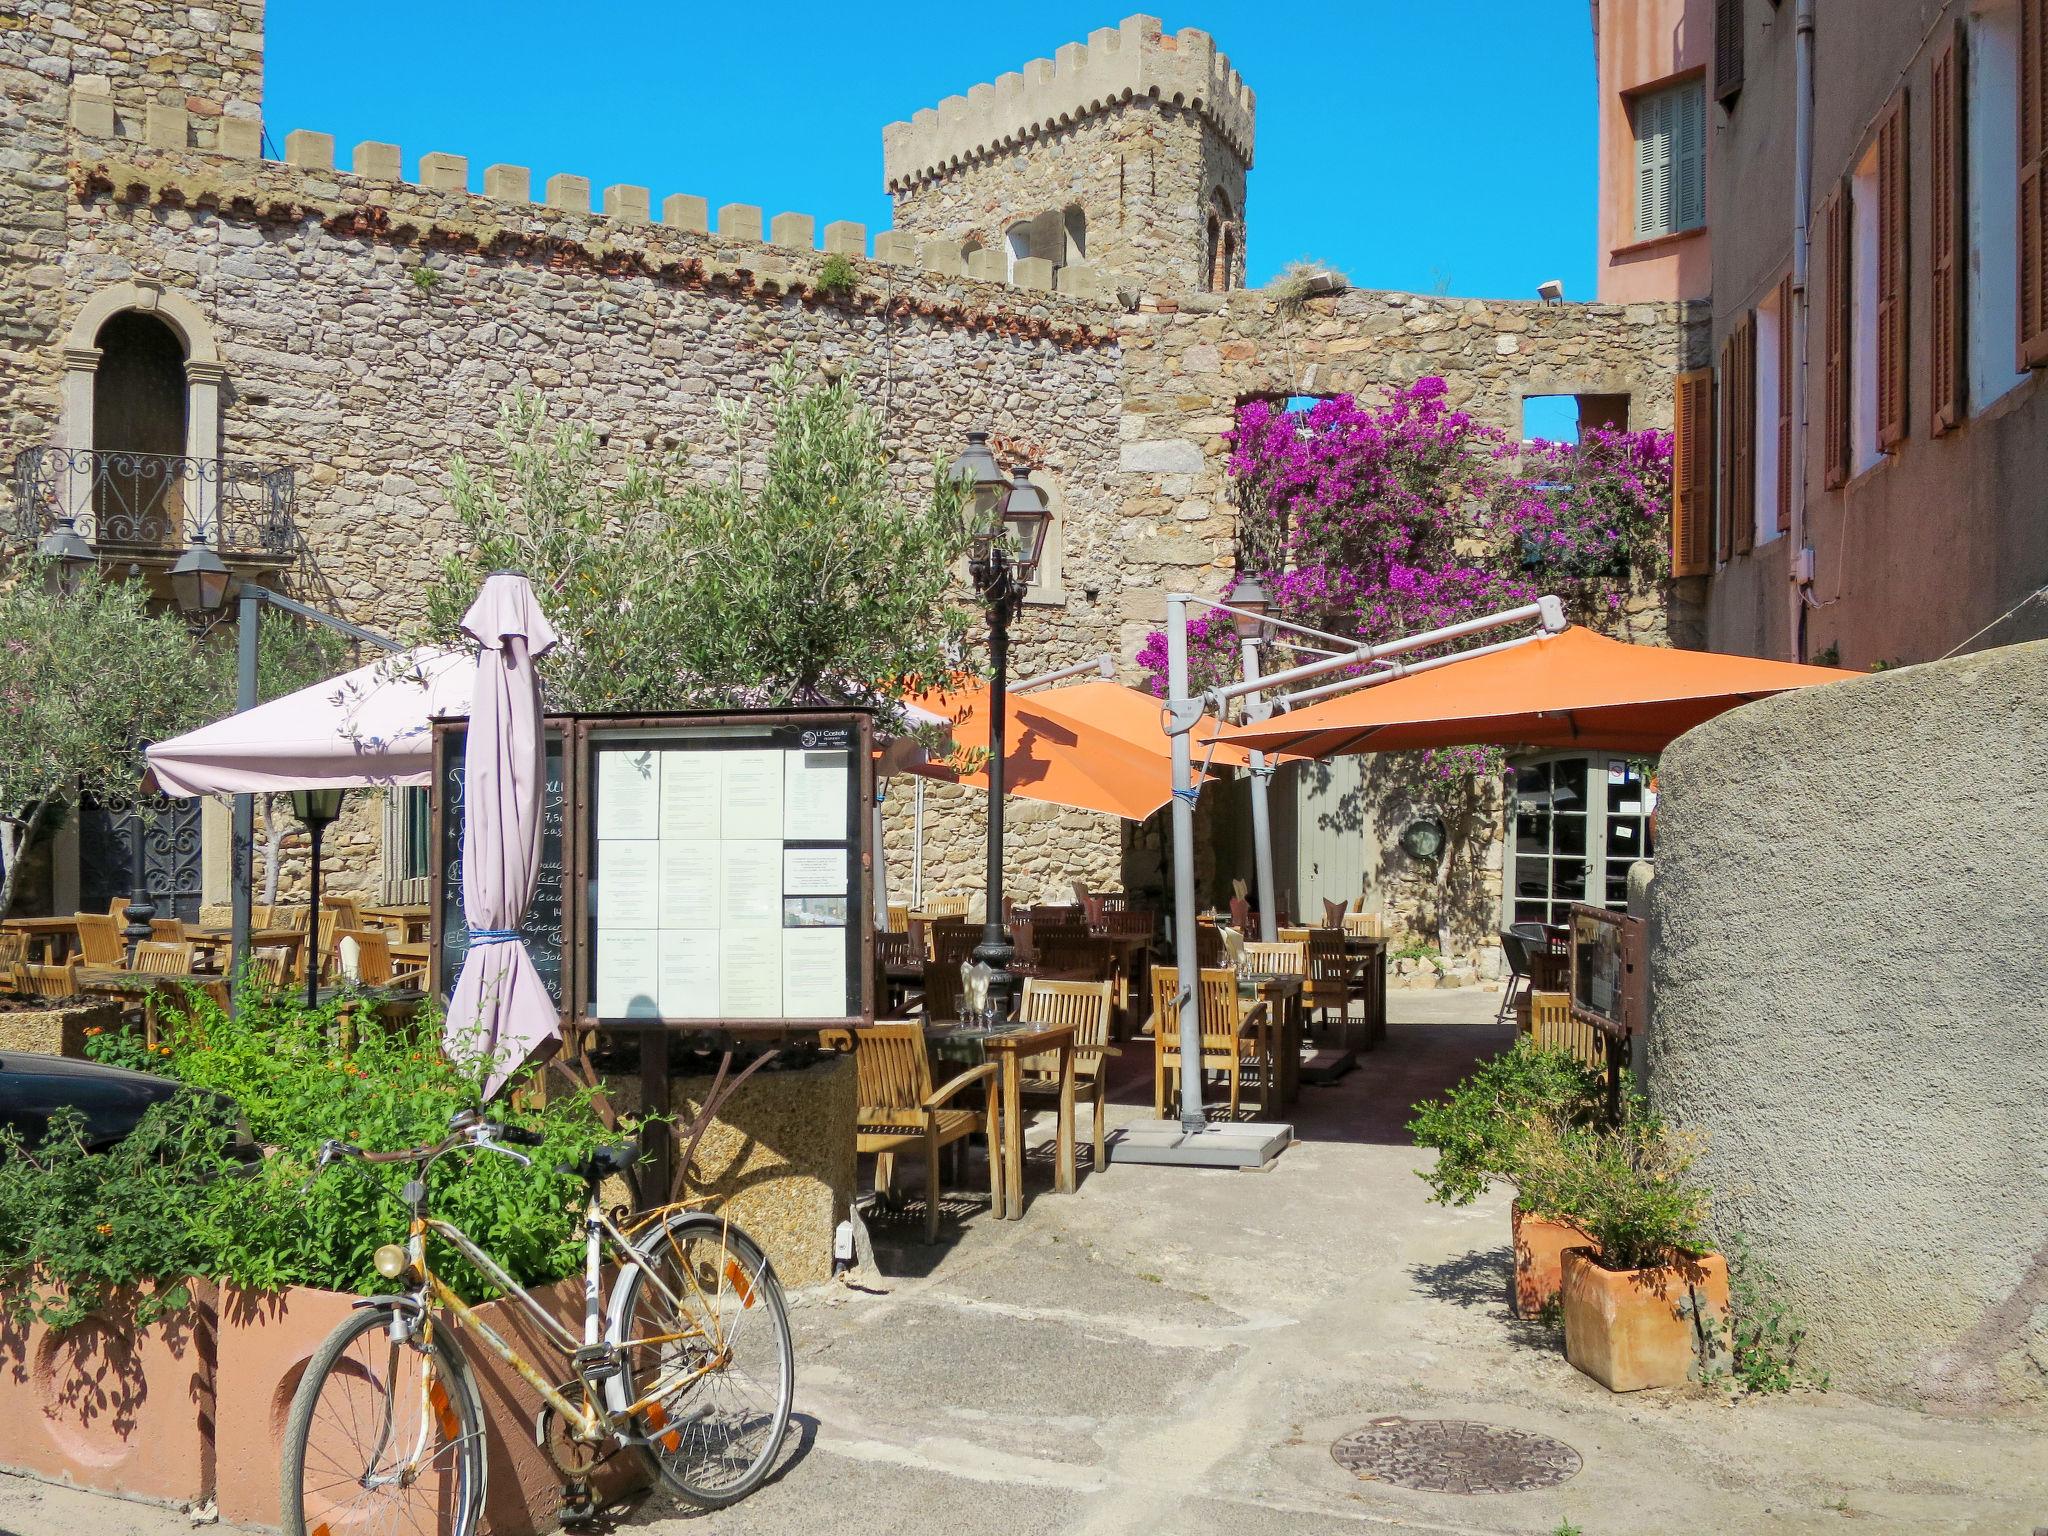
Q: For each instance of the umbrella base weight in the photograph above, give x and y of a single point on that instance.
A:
(1235, 1145)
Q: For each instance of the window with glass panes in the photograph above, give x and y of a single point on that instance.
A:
(1579, 823)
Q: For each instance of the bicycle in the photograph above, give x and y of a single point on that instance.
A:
(386, 1430)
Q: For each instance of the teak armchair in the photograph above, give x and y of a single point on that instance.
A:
(899, 1109)
(1232, 1035)
(1085, 1005)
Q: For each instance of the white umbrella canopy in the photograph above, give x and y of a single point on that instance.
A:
(369, 728)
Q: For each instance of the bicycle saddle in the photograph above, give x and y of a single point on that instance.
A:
(617, 1157)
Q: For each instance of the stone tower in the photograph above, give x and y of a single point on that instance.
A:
(1127, 153)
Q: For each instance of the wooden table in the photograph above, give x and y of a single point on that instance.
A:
(1282, 997)
(1010, 1047)
(58, 936)
(411, 957)
(144, 986)
(413, 920)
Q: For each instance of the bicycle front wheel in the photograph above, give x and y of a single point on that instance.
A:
(705, 1349)
(385, 1435)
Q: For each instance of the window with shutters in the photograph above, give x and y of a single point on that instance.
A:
(1790, 481)
(1944, 224)
(1770, 416)
(1670, 129)
(2033, 184)
(1727, 50)
(1692, 475)
(1990, 232)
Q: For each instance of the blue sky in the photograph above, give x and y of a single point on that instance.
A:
(1443, 146)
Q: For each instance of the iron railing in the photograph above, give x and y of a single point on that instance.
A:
(134, 502)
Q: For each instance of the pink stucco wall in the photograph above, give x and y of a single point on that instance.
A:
(1641, 43)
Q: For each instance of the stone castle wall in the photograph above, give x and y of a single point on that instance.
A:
(371, 327)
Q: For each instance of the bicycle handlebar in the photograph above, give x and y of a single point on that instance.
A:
(469, 1130)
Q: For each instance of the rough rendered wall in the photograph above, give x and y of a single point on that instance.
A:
(1846, 946)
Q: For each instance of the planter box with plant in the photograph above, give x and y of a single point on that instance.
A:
(1479, 1130)
(107, 1236)
(1647, 1305)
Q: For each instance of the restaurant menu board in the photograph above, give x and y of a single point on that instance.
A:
(543, 927)
(723, 875)
(1596, 972)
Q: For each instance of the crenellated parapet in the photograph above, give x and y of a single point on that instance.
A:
(508, 190)
(1135, 59)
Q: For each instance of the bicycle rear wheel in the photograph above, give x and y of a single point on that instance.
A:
(702, 1311)
(384, 1436)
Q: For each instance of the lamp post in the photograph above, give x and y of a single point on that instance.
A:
(316, 808)
(69, 557)
(1007, 522)
(1248, 617)
(201, 582)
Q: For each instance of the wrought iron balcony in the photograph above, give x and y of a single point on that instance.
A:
(141, 504)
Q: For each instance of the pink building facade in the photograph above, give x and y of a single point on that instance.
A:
(1656, 127)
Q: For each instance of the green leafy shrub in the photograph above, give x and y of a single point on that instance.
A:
(837, 276)
(75, 1225)
(279, 1062)
(1764, 1338)
(1480, 1127)
(1628, 1187)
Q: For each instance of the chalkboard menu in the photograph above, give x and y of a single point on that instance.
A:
(545, 915)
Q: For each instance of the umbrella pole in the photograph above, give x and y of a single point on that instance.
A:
(242, 841)
(1192, 1117)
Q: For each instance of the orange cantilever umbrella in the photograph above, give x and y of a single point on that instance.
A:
(1572, 689)
(1096, 746)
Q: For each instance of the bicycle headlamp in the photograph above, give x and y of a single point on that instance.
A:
(390, 1261)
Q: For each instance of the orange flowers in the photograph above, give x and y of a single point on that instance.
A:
(105, 1227)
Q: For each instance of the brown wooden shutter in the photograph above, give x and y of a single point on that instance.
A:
(1834, 222)
(1742, 509)
(1786, 363)
(1692, 475)
(1727, 49)
(1891, 276)
(1946, 344)
(1724, 456)
(2033, 308)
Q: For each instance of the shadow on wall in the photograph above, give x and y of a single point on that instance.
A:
(1845, 944)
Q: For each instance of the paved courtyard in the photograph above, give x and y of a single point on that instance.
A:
(1172, 1350)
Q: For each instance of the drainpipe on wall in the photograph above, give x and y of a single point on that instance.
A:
(1801, 559)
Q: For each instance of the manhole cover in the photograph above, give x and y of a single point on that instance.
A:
(1455, 1456)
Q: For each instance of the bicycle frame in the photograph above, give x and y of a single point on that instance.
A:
(589, 1425)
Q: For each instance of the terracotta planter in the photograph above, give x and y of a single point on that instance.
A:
(1540, 1242)
(266, 1340)
(112, 1406)
(1635, 1328)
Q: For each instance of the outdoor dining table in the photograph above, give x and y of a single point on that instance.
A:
(970, 1045)
(1282, 996)
(412, 919)
(57, 936)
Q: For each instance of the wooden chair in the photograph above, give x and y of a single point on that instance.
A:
(50, 981)
(1275, 959)
(291, 919)
(900, 1110)
(1085, 1005)
(270, 966)
(947, 906)
(899, 916)
(945, 994)
(166, 930)
(1232, 1035)
(99, 941)
(373, 956)
(322, 947)
(1208, 945)
(1332, 981)
(350, 908)
(159, 957)
(117, 909)
(953, 942)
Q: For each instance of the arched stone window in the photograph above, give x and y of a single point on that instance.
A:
(141, 416)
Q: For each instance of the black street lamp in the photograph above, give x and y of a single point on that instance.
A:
(69, 557)
(1007, 523)
(315, 808)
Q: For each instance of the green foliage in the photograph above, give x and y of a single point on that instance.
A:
(77, 1225)
(1481, 1127)
(86, 678)
(426, 279)
(1764, 1338)
(279, 1063)
(1830, 655)
(804, 579)
(1628, 1186)
(837, 276)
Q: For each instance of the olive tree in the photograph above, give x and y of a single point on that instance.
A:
(802, 575)
(88, 677)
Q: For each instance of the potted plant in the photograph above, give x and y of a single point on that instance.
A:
(1480, 1130)
(1646, 1301)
